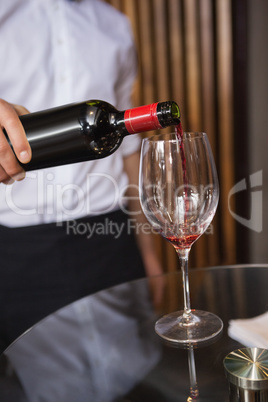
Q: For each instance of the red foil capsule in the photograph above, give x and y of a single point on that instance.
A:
(142, 118)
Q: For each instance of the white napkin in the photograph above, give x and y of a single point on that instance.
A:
(251, 332)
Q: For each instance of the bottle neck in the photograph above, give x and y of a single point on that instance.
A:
(143, 118)
(151, 117)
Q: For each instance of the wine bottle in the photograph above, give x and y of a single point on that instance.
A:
(89, 130)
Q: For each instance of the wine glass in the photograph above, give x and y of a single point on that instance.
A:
(179, 194)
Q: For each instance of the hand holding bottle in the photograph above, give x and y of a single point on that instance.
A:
(74, 133)
(10, 169)
(88, 130)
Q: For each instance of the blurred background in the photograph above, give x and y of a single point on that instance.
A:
(210, 56)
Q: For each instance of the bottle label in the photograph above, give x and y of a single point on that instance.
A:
(143, 118)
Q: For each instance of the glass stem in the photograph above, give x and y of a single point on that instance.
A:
(194, 393)
(183, 257)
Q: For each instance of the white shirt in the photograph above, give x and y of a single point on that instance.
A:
(57, 52)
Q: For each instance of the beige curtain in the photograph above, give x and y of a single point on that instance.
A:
(185, 54)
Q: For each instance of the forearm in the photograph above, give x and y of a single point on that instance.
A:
(143, 229)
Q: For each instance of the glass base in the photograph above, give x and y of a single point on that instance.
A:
(201, 326)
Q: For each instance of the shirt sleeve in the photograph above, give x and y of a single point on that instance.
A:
(127, 70)
(124, 87)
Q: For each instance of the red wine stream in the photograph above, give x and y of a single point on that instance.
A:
(179, 134)
(185, 241)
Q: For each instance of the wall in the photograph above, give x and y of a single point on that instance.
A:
(258, 122)
(187, 51)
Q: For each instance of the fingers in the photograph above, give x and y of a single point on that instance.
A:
(21, 110)
(15, 131)
(9, 166)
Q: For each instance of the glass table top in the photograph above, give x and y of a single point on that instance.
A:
(103, 348)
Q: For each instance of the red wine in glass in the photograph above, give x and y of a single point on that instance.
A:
(185, 241)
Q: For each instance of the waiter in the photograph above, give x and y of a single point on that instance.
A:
(58, 52)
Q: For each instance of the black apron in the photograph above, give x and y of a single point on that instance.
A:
(46, 267)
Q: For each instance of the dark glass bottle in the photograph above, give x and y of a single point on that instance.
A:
(89, 130)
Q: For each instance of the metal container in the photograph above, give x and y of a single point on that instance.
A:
(247, 372)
